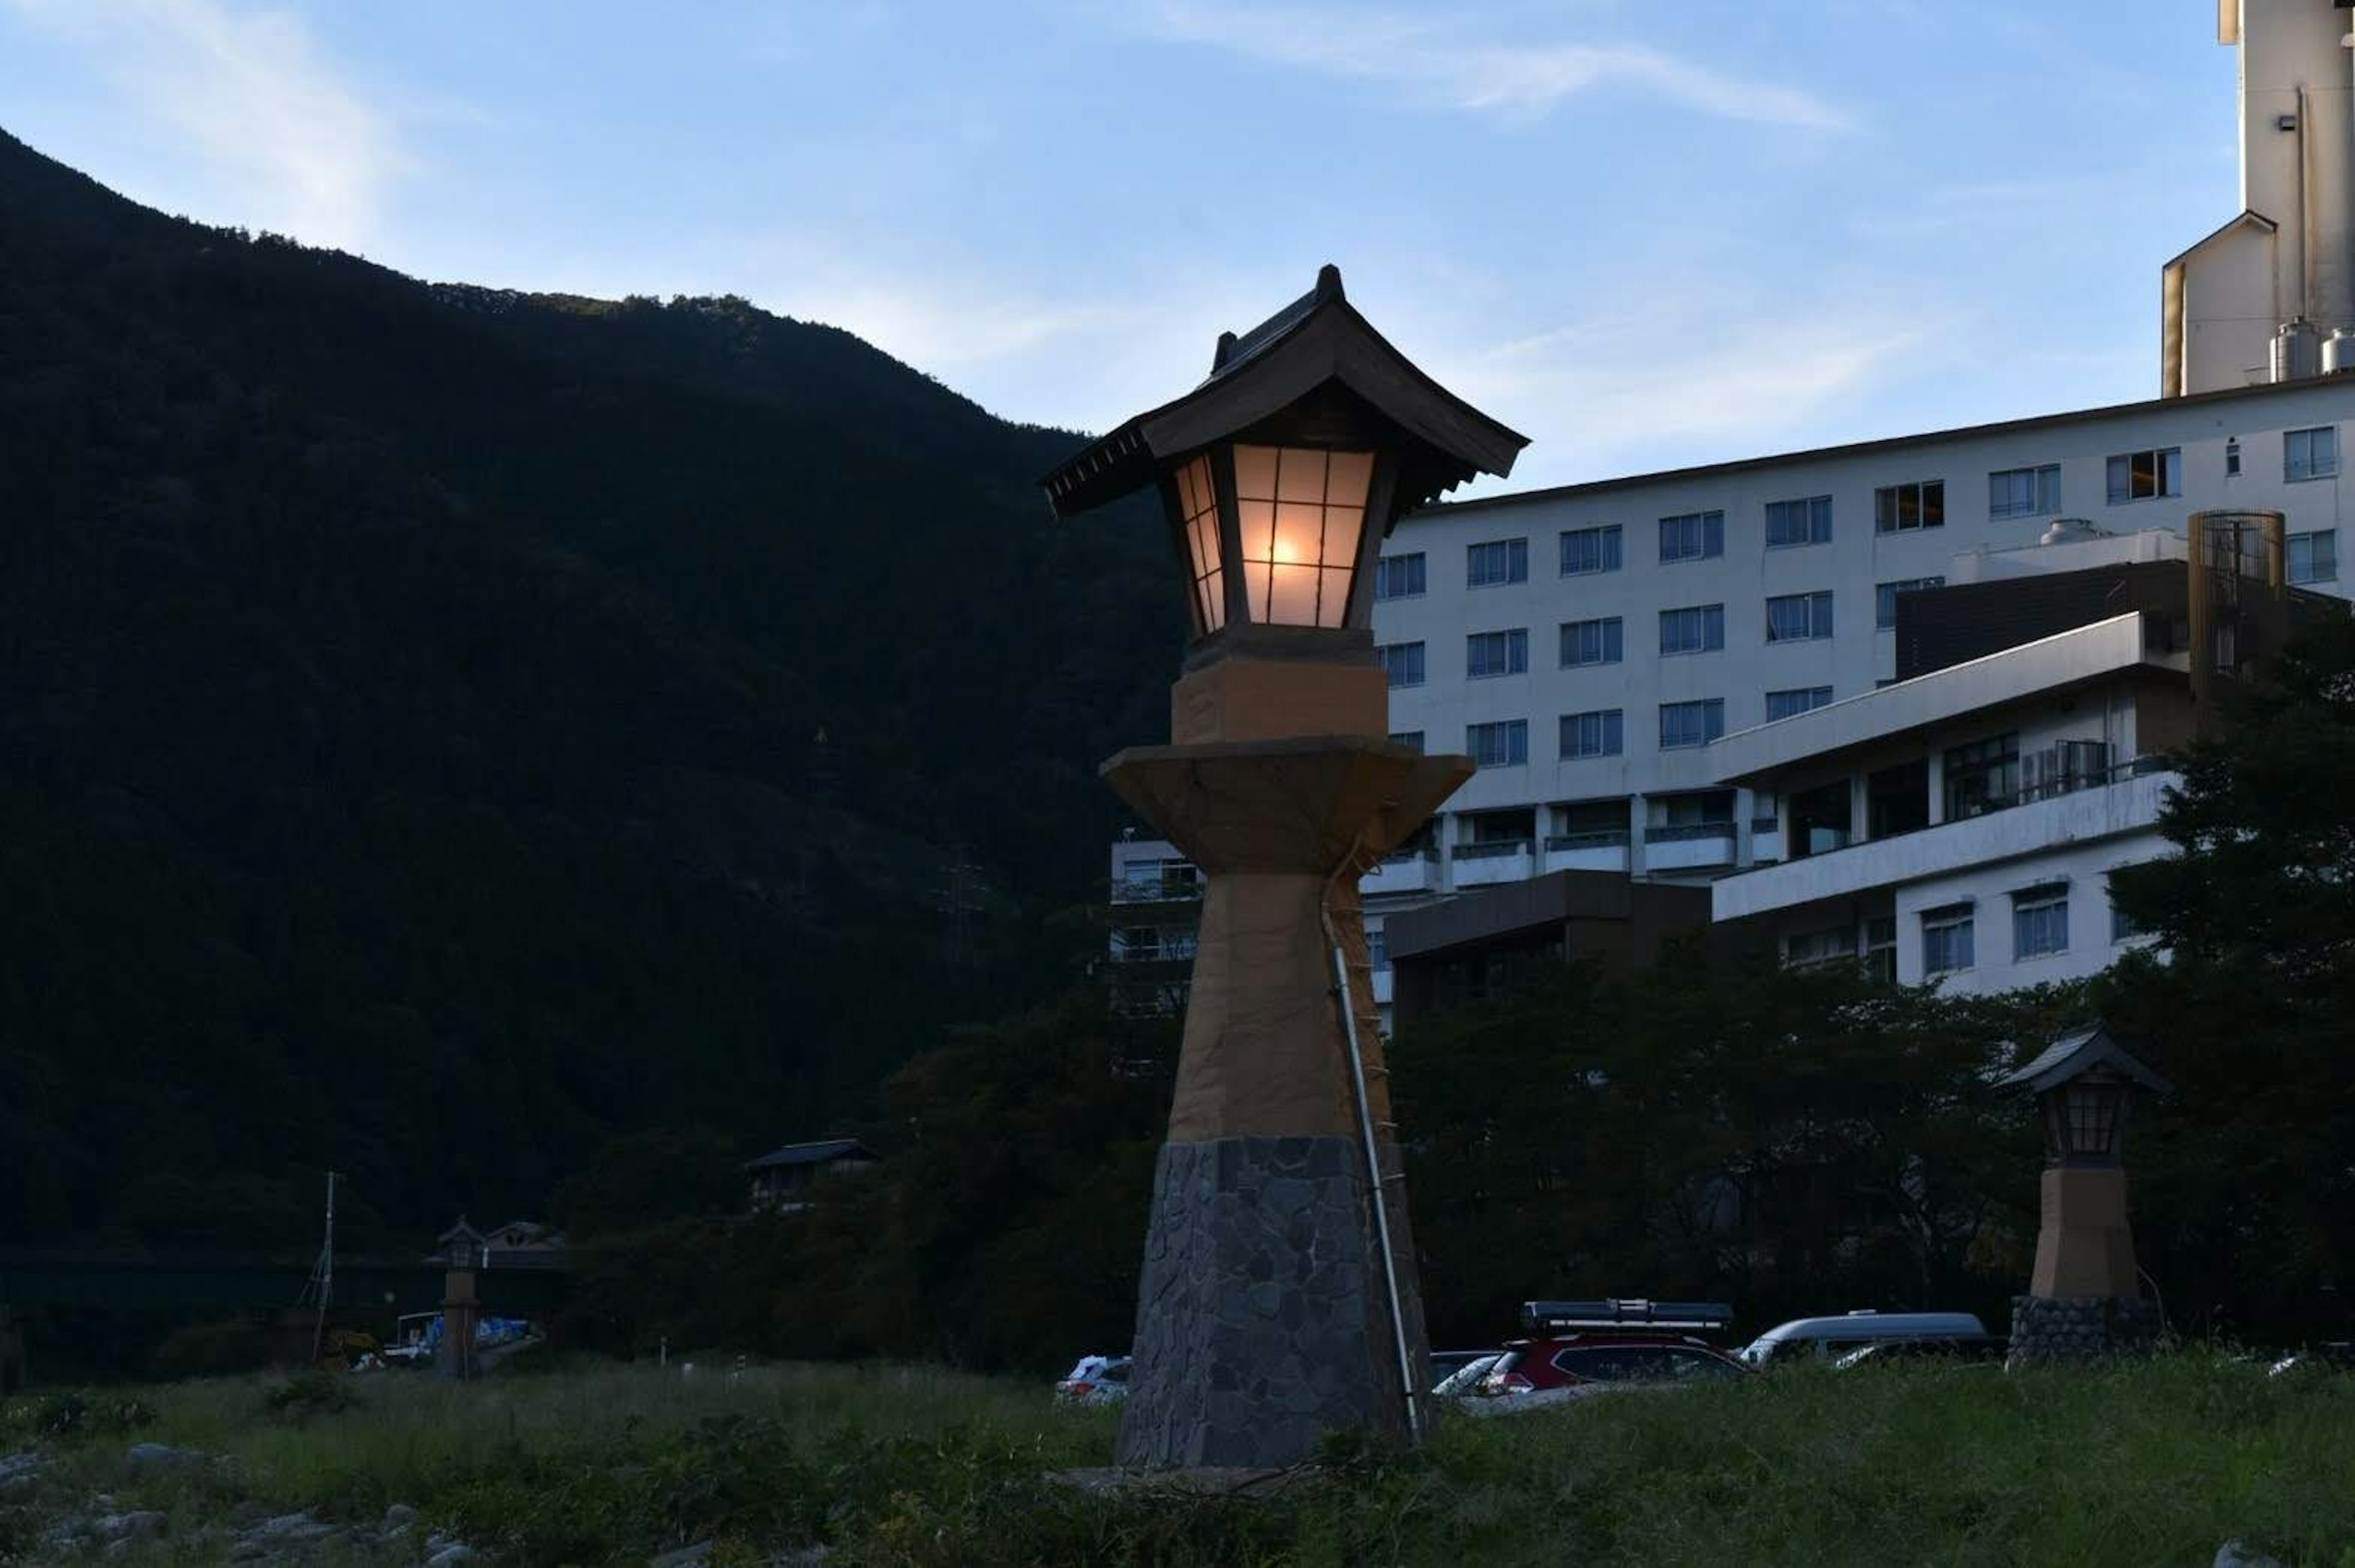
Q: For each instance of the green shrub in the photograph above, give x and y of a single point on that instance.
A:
(305, 1395)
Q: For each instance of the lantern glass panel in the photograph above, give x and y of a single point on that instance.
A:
(1302, 511)
(2093, 1117)
(1197, 506)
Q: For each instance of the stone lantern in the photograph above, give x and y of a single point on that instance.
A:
(2085, 1296)
(1279, 1299)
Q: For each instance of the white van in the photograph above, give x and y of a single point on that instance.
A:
(1831, 1336)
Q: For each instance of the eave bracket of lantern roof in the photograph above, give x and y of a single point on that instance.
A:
(2077, 1054)
(1316, 371)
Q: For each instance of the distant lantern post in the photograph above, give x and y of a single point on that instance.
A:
(2085, 1296)
(1279, 1299)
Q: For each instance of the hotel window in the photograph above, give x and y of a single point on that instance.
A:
(1500, 560)
(1411, 739)
(1592, 642)
(1398, 577)
(2233, 458)
(2024, 492)
(2146, 475)
(1402, 662)
(1884, 597)
(1903, 508)
(1692, 537)
(1586, 550)
(1695, 629)
(1496, 653)
(1602, 733)
(2314, 558)
(1815, 949)
(1881, 948)
(1947, 940)
(2122, 924)
(2310, 453)
(1983, 776)
(2039, 921)
(1799, 522)
(1797, 700)
(1500, 745)
(1798, 617)
(1691, 723)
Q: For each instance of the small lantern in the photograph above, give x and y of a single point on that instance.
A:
(2082, 1083)
(1281, 473)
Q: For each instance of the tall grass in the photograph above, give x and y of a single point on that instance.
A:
(2151, 1463)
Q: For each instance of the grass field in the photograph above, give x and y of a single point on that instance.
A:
(2155, 1464)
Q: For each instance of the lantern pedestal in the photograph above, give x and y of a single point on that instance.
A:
(1264, 1316)
(2080, 1327)
(2083, 1247)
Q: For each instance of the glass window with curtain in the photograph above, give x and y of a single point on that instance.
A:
(1594, 642)
(1694, 629)
(2024, 492)
(1588, 550)
(1503, 745)
(1601, 734)
(1398, 577)
(1695, 724)
(1947, 940)
(1402, 661)
(1798, 617)
(1694, 535)
(1495, 562)
(1301, 511)
(2039, 921)
(2310, 453)
(1796, 701)
(1411, 739)
(1983, 776)
(1803, 522)
(2314, 558)
(1496, 653)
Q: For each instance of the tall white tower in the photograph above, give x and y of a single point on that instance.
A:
(2289, 255)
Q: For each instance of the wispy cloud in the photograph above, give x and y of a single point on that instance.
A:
(1468, 64)
(256, 95)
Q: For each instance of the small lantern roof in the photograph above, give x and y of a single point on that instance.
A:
(2074, 1055)
(1318, 338)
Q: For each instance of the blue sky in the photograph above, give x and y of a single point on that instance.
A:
(1644, 235)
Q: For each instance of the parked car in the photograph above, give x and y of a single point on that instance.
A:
(1574, 1343)
(1922, 1352)
(1464, 1380)
(1096, 1379)
(1445, 1364)
(1832, 1338)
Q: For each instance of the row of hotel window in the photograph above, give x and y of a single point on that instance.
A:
(1896, 509)
(2039, 929)
(1602, 733)
(2312, 558)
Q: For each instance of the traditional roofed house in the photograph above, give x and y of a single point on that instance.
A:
(781, 1177)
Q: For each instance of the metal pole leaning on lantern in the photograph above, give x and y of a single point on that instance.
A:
(1279, 1299)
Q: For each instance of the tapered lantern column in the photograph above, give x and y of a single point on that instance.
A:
(2084, 1298)
(1279, 1300)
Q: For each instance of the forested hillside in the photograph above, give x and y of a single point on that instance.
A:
(439, 728)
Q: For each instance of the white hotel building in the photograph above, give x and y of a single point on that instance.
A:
(1601, 650)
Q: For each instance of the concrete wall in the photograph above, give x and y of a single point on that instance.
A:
(2084, 867)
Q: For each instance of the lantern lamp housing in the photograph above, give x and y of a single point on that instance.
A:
(2083, 1084)
(1282, 473)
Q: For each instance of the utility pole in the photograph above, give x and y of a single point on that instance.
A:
(325, 1275)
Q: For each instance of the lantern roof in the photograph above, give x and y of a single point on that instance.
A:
(2077, 1054)
(1317, 340)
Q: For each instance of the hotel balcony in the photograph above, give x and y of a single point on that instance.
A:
(1599, 851)
(1408, 871)
(1504, 861)
(2128, 801)
(1695, 846)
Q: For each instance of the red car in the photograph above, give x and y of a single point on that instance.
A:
(1613, 1341)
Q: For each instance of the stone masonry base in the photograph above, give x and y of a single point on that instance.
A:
(1262, 1321)
(2080, 1327)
